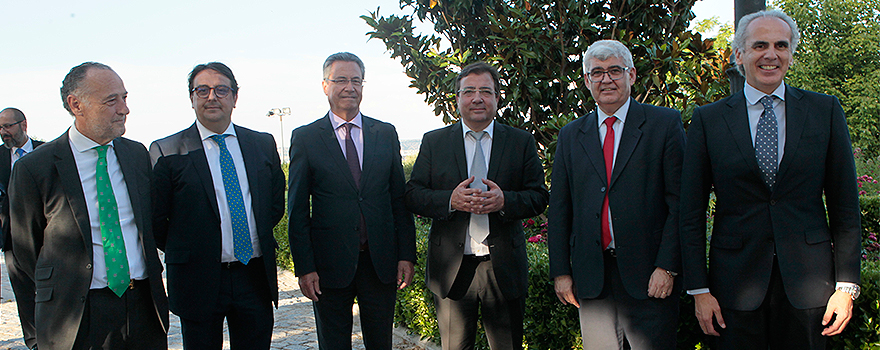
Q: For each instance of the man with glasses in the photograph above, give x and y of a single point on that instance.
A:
(613, 240)
(13, 130)
(477, 179)
(81, 224)
(784, 251)
(218, 192)
(350, 235)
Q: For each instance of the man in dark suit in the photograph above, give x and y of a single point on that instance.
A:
(477, 179)
(614, 245)
(780, 161)
(13, 130)
(81, 218)
(218, 191)
(357, 240)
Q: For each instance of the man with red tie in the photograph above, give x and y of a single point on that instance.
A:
(614, 246)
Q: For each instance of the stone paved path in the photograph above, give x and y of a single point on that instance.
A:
(294, 321)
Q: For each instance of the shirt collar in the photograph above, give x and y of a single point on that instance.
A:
(204, 133)
(337, 121)
(28, 146)
(620, 113)
(753, 95)
(490, 129)
(80, 142)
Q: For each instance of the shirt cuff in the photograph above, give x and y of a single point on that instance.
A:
(698, 291)
(844, 284)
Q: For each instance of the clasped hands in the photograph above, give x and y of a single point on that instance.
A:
(477, 201)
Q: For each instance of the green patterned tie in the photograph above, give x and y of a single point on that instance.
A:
(118, 277)
(241, 235)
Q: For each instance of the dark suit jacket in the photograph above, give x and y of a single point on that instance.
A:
(5, 173)
(440, 167)
(752, 222)
(643, 198)
(53, 240)
(326, 238)
(186, 218)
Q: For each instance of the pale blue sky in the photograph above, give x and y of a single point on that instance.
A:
(275, 49)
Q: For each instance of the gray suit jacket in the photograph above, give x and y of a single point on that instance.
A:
(53, 241)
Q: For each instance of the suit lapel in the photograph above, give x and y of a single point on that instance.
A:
(251, 164)
(795, 119)
(738, 123)
(499, 142)
(632, 132)
(456, 133)
(336, 157)
(65, 165)
(133, 181)
(192, 147)
(589, 141)
(370, 135)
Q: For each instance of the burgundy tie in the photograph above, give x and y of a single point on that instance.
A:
(608, 150)
(354, 165)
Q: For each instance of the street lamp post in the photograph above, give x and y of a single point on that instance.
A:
(280, 112)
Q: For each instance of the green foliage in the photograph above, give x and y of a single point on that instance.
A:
(725, 32)
(537, 46)
(282, 254)
(839, 54)
(863, 331)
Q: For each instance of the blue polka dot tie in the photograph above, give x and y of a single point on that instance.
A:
(20, 152)
(241, 236)
(766, 142)
(118, 276)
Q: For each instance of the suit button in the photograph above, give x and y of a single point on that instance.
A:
(88, 266)
(597, 215)
(360, 199)
(82, 299)
(602, 190)
(461, 245)
(772, 202)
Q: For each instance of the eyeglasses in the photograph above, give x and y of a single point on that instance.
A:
(469, 93)
(203, 91)
(345, 81)
(7, 126)
(615, 73)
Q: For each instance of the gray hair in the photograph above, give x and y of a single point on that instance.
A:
(344, 57)
(605, 49)
(742, 34)
(76, 75)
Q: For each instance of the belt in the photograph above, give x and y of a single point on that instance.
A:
(610, 253)
(480, 258)
(237, 264)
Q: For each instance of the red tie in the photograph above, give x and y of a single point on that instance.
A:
(608, 150)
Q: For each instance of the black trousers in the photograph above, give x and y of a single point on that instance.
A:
(128, 322)
(333, 310)
(245, 305)
(776, 324)
(475, 292)
(24, 292)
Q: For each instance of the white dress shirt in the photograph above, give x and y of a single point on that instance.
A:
(28, 147)
(212, 153)
(618, 131)
(471, 246)
(756, 109)
(86, 158)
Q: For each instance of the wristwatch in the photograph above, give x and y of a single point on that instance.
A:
(670, 273)
(853, 290)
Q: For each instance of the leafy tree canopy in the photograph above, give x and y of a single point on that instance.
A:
(537, 46)
(839, 54)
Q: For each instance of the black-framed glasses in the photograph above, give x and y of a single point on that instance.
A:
(345, 81)
(615, 73)
(203, 91)
(469, 93)
(7, 126)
